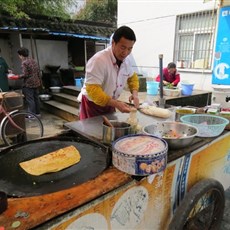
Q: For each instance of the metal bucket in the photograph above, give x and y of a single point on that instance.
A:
(119, 129)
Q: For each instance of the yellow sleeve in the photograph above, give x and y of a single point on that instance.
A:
(97, 95)
(133, 82)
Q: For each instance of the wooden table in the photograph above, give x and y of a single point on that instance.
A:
(40, 209)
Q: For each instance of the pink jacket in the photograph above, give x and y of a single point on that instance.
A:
(172, 78)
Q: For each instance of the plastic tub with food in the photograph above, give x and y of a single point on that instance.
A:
(183, 111)
(171, 92)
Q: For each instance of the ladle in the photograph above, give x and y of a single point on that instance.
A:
(106, 121)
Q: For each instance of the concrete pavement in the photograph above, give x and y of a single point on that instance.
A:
(53, 125)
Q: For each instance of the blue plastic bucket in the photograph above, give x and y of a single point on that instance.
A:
(79, 82)
(186, 89)
(152, 87)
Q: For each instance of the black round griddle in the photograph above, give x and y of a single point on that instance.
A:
(17, 183)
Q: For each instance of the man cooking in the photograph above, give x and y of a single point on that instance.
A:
(106, 75)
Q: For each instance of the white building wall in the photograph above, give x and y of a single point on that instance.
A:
(49, 52)
(153, 22)
(46, 52)
(4, 45)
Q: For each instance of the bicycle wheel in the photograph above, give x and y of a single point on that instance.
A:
(30, 125)
(201, 208)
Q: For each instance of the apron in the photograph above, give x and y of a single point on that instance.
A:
(90, 109)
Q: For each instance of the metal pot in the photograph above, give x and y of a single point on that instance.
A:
(119, 129)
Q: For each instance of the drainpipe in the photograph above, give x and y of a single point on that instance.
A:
(85, 51)
(20, 40)
(31, 45)
(161, 99)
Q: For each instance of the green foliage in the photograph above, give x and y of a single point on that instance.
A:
(24, 8)
(98, 11)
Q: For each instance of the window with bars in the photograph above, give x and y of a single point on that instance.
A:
(194, 41)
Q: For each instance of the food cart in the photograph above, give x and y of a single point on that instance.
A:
(112, 199)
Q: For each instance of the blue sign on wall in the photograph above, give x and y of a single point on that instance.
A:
(221, 65)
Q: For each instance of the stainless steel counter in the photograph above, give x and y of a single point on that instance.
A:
(92, 127)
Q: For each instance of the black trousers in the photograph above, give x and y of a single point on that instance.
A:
(32, 99)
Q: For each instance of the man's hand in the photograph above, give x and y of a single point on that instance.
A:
(135, 100)
(121, 106)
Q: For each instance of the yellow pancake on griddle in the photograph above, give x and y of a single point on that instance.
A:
(52, 162)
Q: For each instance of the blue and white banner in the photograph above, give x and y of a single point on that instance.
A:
(221, 65)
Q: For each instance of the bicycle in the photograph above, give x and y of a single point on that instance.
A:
(18, 126)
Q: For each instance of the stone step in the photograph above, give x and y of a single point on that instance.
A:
(72, 90)
(66, 99)
(67, 112)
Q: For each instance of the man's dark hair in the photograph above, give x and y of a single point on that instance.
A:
(171, 65)
(124, 31)
(23, 52)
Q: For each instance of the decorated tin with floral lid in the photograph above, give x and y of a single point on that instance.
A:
(140, 154)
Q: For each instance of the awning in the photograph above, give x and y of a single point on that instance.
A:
(78, 35)
(65, 34)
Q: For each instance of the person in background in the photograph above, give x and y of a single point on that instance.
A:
(170, 75)
(32, 81)
(4, 70)
(107, 73)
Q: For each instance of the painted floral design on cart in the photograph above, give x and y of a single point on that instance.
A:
(129, 209)
(153, 167)
(93, 221)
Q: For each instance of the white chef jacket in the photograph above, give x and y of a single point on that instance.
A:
(102, 69)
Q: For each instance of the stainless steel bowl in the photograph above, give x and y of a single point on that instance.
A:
(177, 134)
(44, 97)
(55, 89)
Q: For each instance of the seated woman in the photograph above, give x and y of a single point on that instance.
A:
(170, 75)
